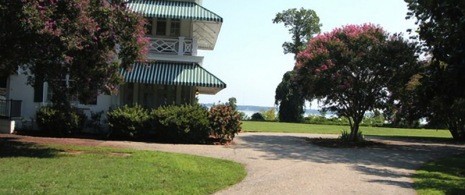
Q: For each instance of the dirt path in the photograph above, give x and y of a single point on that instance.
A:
(287, 164)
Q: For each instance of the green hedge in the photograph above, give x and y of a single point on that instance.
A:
(178, 124)
(58, 122)
(186, 124)
(257, 117)
(128, 121)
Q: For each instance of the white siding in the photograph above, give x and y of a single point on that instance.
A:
(20, 90)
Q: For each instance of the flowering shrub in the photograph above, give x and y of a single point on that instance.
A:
(353, 69)
(225, 122)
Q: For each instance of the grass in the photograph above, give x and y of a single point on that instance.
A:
(445, 176)
(252, 126)
(57, 169)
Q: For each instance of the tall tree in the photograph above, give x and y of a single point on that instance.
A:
(441, 28)
(232, 101)
(352, 68)
(290, 101)
(303, 24)
(77, 46)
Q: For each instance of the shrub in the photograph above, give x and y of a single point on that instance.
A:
(128, 121)
(257, 117)
(345, 136)
(59, 122)
(316, 119)
(244, 116)
(95, 121)
(225, 122)
(186, 124)
(269, 115)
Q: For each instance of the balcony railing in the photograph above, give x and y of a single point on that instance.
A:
(180, 46)
(10, 108)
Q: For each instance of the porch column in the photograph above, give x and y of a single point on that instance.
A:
(181, 46)
(135, 94)
(194, 46)
(178, 94)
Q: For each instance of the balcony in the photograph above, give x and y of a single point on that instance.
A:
(173, 46)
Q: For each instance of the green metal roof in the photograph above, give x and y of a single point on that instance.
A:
(172, 73)
(173, 10)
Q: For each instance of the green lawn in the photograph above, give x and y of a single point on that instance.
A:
(252, 126)
(445, 176)
(35, 169)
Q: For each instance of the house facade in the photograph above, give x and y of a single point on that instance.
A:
(177, 29)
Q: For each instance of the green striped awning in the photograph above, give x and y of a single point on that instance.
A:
(172, 73)
(173, 10)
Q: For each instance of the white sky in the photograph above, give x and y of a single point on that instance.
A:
(248, 56)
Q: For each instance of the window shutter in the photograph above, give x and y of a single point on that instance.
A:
(38, 90)
(3, 81)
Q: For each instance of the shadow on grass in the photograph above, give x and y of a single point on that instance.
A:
(9, 147)
(446, 175)
(389, 162)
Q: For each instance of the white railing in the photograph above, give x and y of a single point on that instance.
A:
(179, 46)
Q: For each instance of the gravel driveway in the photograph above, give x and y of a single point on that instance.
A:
(288, 164)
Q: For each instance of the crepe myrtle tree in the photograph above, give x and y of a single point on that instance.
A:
(77, 46)
(351, 69)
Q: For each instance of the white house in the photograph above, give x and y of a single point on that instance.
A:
(177, 30)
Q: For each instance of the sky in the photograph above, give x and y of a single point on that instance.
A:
(248, 55)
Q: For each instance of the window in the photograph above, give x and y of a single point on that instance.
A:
(50, 94)
(3, 81)
(161, 27)
(38, 89)
(148, 27)
(175, 30)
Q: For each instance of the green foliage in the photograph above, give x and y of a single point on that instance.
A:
(88, 41)
(302, 24)
(441, 28)
(186, 124)
(377, 119)
(244, 116)
(269, 115)
(257, 117)
(450, 111)
(352, 68)
(233, 103)
(346, 137)
(315, 119)
(290, 101)
(225, 122)
(128, 121)
(59, 122)
(95, 121)
(371, 121)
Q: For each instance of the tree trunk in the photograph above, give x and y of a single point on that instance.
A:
(457, 129)
(354, 130)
